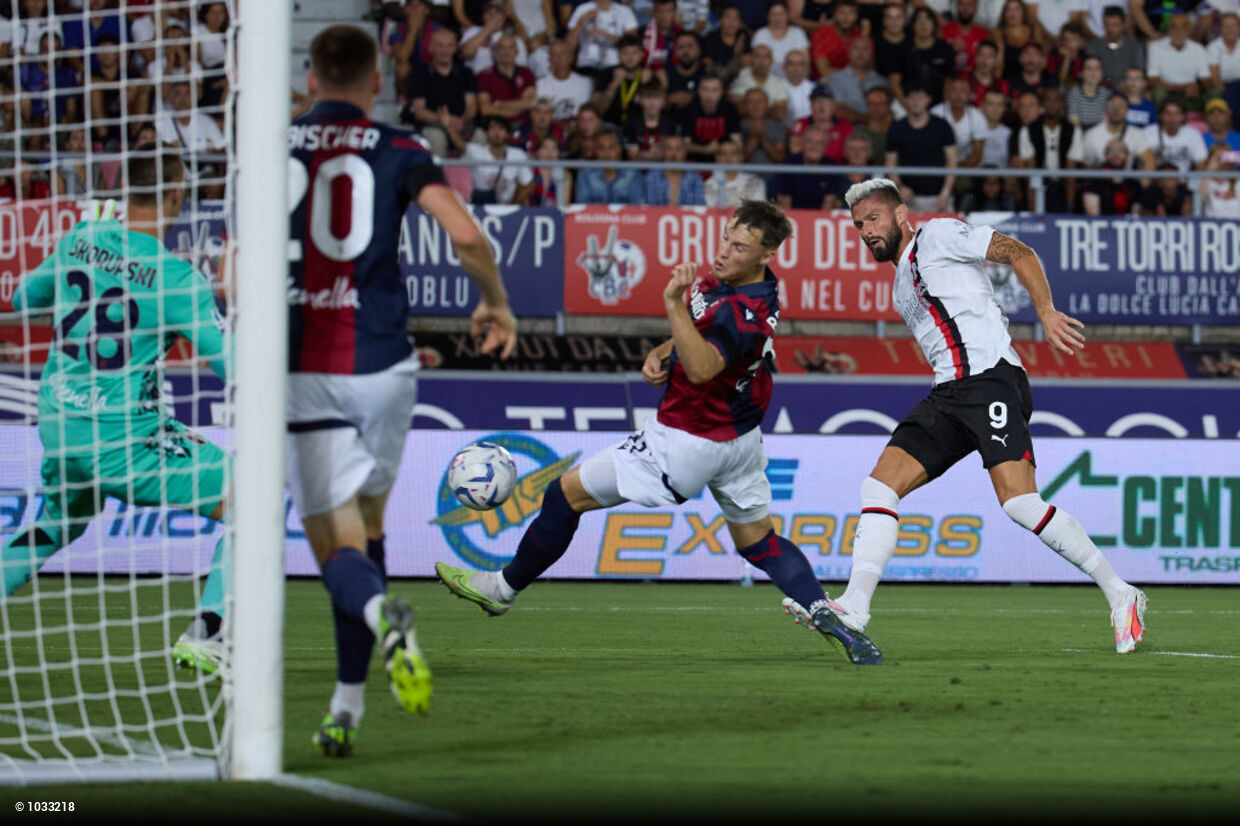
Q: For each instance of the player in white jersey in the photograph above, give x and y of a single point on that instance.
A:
(980, 400)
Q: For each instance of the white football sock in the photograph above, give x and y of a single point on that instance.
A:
(504, 591)
(877, 533)
(1060, 531)
(372, 612)
(350, 697)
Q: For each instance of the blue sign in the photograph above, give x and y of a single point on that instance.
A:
(1124, 270)
(528, 246)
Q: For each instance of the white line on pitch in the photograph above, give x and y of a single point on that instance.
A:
(362, 797)
(1167, 654)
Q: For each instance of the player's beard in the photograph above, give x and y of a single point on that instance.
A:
(890, 246)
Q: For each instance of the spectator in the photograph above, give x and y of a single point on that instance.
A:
(1033, 76)
(794, 190)
(609, 185)
(987, 194)
(1118, 195)
(727, 187)
(822, 117)
(1053, 15)
(51, 92)
(79, 34)
(929, 60)
(1064, 61)
(174, 62)
(1152, 18)
(658, 40)
(708, 120)
(444, 96)
(551, 186)
(113, 99)
(1028, 109)
(985, 75)
(1016, 29)
(829, 47)
(211, 42)
(997, 135)
(779, 35)
(1053, 144)
(1167, 196)
(496, 181)
(1176, 64)
(1087, 99)
(763, 134)
(594, 29)
(73, 178)
(753, 12)
(567, 90)
(506, 90)
(586, 128)
(1218, 125)
(31, 21)
(542, 125)
(892, 41)
(758, 75)
(478, 42)
(682, 77)
(1219, 194)
(1223, 57)
(809, 15)
(1172, 141)
(695, 15)
(537, 22)
(922, 139)
(796, 78)
(966, 120)
(871, 12)
(412, 43)
(1115, 125)
(466, 13)
(856, 153)
(878, 120)
(670, 186)
(620, 95)
(964, 34)
(726, 48)
(1116, 48)
(849, 85)
(647, 123)
(183, 124)
(1141, 111)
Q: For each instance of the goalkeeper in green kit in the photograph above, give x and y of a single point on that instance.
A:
(118, 301)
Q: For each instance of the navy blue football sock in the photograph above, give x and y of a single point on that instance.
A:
(353, 580)
(354, 644)
(787, 567)
(545, 540)
(378, 555)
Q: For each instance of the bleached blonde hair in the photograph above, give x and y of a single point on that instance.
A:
(875, 186)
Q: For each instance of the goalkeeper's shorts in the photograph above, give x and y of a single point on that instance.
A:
(168, 466)
(346, 434)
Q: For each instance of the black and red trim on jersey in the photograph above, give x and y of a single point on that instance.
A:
(944, 322)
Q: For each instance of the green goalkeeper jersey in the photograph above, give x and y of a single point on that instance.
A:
(119, 300)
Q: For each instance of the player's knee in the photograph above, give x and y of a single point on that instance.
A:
(1029, 511)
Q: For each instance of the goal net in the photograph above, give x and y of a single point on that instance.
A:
(121, 320)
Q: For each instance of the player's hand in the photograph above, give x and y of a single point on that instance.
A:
(1064, 333)
(499, 326)
(653, 370)
(683, 276)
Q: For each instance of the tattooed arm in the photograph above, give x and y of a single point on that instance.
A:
(1063, 332)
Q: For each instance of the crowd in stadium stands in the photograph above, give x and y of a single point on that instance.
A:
(78, 75)
(1128, 85)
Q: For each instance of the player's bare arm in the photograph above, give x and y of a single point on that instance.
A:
(654, 371)
(492, 316)
(1064, 333)
(701, 360)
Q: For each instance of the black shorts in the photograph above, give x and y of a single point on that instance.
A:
(988, 412)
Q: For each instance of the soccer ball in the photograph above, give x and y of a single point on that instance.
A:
(482, 476)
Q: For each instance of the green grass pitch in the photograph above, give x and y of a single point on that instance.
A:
(608, 701)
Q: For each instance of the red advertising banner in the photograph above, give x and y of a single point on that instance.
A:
(29, 231)
(902, 357)
(617, 260)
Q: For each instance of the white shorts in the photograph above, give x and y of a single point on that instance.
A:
(660, 465)
(346, 434)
